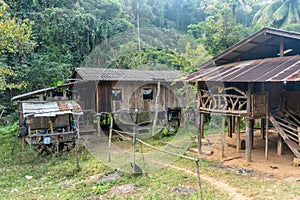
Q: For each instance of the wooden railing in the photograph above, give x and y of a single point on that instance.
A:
(228, 100)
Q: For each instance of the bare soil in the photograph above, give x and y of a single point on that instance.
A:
(277, 166)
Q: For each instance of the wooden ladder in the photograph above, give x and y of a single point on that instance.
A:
(287, 126)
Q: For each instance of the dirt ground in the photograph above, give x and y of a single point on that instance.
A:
(276, 166)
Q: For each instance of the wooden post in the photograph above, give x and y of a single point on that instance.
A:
(230, 126)
(263, 120)
(156, 108)
(252, 132)
(223, 136)
(298, 128)
(76, 153)
(267, 127)
(98, 125)
(198, 179)
(267, 137)
(238, 137)
(262, 128)
(279, 145)
(233, 124)
(199, 121)
(133, 148)
(109, 138)
(281, 47)
(97, 98)
(248, 124)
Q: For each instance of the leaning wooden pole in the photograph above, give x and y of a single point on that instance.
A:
(198, 179)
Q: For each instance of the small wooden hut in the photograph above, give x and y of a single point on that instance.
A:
(258, 78)
(48, 117)
(139, 93)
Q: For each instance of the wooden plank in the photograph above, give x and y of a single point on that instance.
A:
(231, 158)
(296, 162)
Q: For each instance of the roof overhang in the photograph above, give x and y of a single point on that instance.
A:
(263, 44)
(280, 69)
(42, 91)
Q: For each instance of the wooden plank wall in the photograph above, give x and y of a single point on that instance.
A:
(293, 100)
(132, 96)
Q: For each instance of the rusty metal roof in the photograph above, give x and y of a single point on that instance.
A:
(109, 74)
(262, 70)
(52, 108)
(263, 44)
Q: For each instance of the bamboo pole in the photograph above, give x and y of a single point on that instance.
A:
(198, 179)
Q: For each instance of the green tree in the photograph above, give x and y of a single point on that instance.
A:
(15, 39)
(219, 30)
(279, 13)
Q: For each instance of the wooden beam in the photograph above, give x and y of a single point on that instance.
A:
(156, 108)
(230, 126)
(97, 97)
(248, 124)
(199, 120)
(267, 137)
(223, 136)
(279, 145)
(238, 137)
(281, 47)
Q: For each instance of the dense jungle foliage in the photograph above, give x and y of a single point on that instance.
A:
(42, 41)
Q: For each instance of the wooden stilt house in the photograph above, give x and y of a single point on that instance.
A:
(137, 93)
(256, 79)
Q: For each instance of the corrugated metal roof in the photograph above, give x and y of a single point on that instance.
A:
(52, 108)
(263, 70)
(262, 44)
(41, 91)
(108, 74)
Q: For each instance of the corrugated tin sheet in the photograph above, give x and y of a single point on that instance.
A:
(263, 70)
(52, 108)
(41, 91)
(108, 74)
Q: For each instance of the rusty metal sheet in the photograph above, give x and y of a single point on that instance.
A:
(277, 69)
(51, 108)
